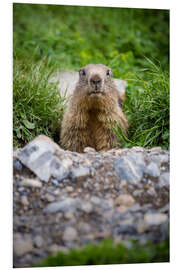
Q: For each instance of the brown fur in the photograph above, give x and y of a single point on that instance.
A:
(86, 119)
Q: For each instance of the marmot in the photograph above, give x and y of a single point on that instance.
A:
(92, 110)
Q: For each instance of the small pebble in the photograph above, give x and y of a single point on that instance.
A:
(38, 241)
(31, 183)
(155, 219)
(125, 200)
(24, 200)
(70, 234)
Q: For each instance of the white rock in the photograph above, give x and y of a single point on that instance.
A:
(80, 173)
(68, 204)
(31, 183)
(125, 199)
(38, 241)
(37, 156)
(86, 207)
(70, 234)
(152, 170)
(22, 245)
(24, 200)
(155, 218)
(95, 200)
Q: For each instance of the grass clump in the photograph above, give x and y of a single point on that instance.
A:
(36, 102)
(147, 108)
(107, 253)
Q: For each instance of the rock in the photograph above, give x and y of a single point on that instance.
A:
(156, 149)
(17, 165)
(80, 173)
(53, 249)
(70, 234)
(107, 204)
(31, 183)
(152, 170)
(63, 205)
(135, 207)
(152, 219)
(86, 207)
(69, 215)
(66, 163)
(151, 191)
(69, 189)
(37, 156)
(137, 192)
(122, 198)
(130, 167)
(164, 179)
(49, 197)
(84, 227)
(125, 229)
(122, 209)
(164, 158)
(22, 245)
(125, 200)
(89, 149)
(141, 226)
(38, 241)
(58, 171)
(24, 200)
(95, 200)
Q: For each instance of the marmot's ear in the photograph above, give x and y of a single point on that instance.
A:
(109, 72)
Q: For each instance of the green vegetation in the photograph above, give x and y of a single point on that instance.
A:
(133, 42)
(107, 253)
(147, 107)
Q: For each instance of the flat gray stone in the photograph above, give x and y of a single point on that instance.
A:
(86, 207)
(70, 234)
(65, 205)
(38, 241)
(155, 219)
(22, 245)
(130, 167)
(58, 171)
(152, 170)
(31, 183)
(164, 179)
(80, 173)
(124, 199)
(39, 157)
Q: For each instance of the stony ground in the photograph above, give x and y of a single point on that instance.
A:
(63, 199)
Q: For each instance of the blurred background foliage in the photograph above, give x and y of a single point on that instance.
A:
(133, 42)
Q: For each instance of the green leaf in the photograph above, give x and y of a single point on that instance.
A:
(28, 124)
(18, 132)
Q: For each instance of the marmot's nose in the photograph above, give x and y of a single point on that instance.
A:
(95, 81)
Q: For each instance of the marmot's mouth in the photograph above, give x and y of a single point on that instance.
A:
(98, 93)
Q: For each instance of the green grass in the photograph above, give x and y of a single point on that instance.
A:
(130, 41)
(37, 103)
(147, 108)
(107, 253)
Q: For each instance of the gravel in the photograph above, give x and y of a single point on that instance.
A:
(63, 199)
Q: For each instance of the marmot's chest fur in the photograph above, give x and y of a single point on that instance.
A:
(92, 111)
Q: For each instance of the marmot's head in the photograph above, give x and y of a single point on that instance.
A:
(95, 76)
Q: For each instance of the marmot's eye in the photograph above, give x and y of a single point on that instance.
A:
(108, 72)
(83, 72)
